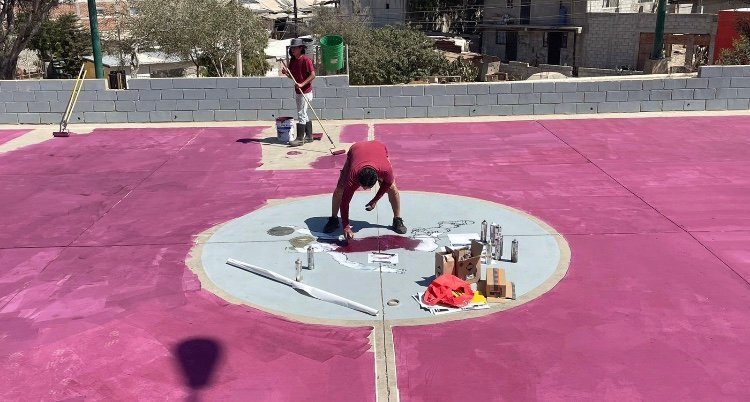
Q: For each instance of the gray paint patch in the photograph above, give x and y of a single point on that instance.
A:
(543, 253)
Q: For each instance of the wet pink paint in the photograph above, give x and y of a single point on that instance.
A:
(8, 135)
(96, 229)
(354, 133)
(379, 243)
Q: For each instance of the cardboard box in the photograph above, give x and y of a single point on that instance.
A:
(444, 263)
(497, 288)
(464, 262)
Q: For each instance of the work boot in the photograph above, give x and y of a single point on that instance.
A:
(300, 139)
(331, 225)
(308, 132)
(398, 226)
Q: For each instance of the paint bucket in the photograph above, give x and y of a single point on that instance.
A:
(284, 129)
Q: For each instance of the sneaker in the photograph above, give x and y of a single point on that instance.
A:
(331, 225)
(398, 226)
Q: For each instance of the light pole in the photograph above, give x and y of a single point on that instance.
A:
(96, 44)
(661, 15)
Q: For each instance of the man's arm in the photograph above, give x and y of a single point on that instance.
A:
(346, 199)
(384, 186)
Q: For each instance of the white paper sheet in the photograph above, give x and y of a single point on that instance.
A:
(382, 258)
(461, 239)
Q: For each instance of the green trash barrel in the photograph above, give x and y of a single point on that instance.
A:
(332, 52)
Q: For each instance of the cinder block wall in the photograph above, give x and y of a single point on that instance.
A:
(230, 99)
(607, 36)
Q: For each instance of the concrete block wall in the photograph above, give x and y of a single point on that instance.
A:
(611, 40)
(518, 70)
(604, 72)
(265, 99)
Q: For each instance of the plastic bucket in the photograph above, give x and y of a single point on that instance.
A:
(332, 52)
(283, 128)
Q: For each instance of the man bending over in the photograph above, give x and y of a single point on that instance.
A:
(366, 163)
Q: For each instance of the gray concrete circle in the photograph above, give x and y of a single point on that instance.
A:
(543, 256)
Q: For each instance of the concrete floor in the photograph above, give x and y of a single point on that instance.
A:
(98, 301)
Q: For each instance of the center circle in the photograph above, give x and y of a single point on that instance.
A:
(277, 238)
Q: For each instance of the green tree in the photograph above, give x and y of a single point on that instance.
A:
(63, 39)
(121, 41)
(20, 20)
(739, 54)
(207, 32)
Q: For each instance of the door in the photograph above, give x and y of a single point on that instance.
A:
(511, 46)
(525, 12)
(554, 44)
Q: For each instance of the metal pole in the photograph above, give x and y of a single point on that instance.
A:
(661, 15)
(238, 62)
(96, 44)
(296, 30)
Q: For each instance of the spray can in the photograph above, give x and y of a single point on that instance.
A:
(514, 251)
(488, 253)
(499, 248)
(310, 258)
(493, 227)
(298, 269)
(483, 233)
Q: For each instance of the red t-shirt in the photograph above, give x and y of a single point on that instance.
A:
(301, 69)
(367, 153)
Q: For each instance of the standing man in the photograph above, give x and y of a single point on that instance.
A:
(302, 70)
(366, 164)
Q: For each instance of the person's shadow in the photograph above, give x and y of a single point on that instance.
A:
(198, 358)
(316, 224)
(263, 141)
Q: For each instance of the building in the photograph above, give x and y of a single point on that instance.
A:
(381, 12)
(537, 32)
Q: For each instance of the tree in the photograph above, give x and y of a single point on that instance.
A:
(388, 55)
(207, 32)
(63, 39)
(739, 54)
(20, 21)
(121, 41)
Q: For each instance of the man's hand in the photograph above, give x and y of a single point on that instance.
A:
(348, 234)
(285, 71)
(370, 206)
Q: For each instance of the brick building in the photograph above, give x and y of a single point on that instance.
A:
(107, 11)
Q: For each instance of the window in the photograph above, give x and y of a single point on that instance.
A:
(509, 3)
(563, 40)
(610, 3)
(500, 38)
(387, 6)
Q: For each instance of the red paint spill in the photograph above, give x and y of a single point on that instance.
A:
(382, 243)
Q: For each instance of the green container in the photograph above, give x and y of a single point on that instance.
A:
(332, 52)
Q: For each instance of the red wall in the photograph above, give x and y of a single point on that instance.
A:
(725, 32)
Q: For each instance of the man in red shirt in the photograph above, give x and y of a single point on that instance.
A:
(302, 69)
(366, 164)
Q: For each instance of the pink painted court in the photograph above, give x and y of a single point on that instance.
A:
(633, 276)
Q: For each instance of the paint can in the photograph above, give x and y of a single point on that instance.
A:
(483, 233)
(298, 270)
(283, 129)
(514, 251)
(310, 258)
